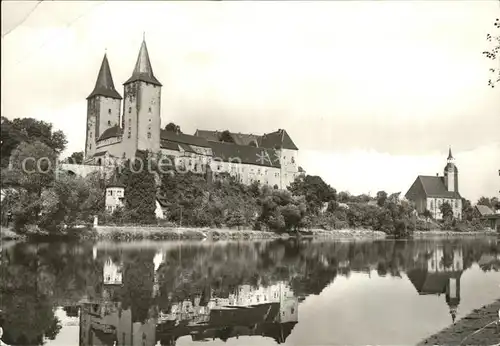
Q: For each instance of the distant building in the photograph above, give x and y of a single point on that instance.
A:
(487, 214)
(430, 192)
(115, 196)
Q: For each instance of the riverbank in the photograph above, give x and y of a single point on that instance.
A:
(164, 233)
(441, 233)
(477, 328)
(125, 233)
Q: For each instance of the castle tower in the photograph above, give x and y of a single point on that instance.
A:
(103, 107)
(451, 174)
(141, 120)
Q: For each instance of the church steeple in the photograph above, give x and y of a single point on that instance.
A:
(450, 156)
(143, 70)
(104, 85)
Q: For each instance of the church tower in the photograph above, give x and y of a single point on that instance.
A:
(141, 120)
(451, 174)
(103, 107)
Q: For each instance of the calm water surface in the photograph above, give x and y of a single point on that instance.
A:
(253, 293)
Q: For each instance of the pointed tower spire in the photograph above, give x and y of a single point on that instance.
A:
(104, 85)
(450, 156)
(143, 70)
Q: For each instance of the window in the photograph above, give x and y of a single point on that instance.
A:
(109, 122)
(90, 146)
(149, 110)
(91, 134)
(110, 193)
(109, 111)
(129, 134)
(130, 109)
(149, 134)
(293, 160)
(149, 119)
(432, 204)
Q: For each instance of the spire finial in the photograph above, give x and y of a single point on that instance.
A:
(450, 156)
(144, 36)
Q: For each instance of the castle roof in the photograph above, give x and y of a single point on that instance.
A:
(183, 138)
(276, 140)
(114, 131)
(434, 187)
(279, 140)
(143, 70)
(239, 138)
(245, 154)
(104, 85)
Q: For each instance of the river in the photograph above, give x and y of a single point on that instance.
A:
(307, 292)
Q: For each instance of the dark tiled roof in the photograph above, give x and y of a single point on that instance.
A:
(99, 153)
(164, 144)
(484, 210)
(114, 131)
(143, 70)
(183, 138)
(279, 139)
(104, 85)
(239, 138)
(434, 187)
(246, 154)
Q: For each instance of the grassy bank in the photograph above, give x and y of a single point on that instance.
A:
(442, 233)
(477, 328)
(162, 233)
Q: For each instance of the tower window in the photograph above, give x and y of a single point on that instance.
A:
(149, 134)
(109, 111)
(90, 134)
(129, 134)
(130, 109)
(149, 110)
(109, 122)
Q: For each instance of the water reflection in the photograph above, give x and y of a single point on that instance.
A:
(160, 293)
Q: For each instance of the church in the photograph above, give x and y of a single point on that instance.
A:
(430, 192)
(118, 127)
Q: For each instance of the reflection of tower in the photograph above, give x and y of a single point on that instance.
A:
(453, 295)
(157, 260)
(112, 273)
(440, 274)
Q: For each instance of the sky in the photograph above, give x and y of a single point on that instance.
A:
(372, 92)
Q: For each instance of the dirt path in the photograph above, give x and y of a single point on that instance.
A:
(477, 328)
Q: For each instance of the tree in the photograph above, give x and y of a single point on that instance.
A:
(140, 192)
(467, 210)
(171, 127)
(315, 191)
(29, 130)
(381, 198)
(493, 54)
(484, 201)
(446, 210)
(226, 137)
(75, 158)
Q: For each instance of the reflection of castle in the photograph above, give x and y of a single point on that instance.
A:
(106, 323)
(440, 273)
(267, 311)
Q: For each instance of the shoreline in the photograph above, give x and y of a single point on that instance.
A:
(127, 233)
(480, 321)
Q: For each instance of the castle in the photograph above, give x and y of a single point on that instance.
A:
(115, 134)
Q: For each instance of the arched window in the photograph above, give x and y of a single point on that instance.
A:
(432, 204)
